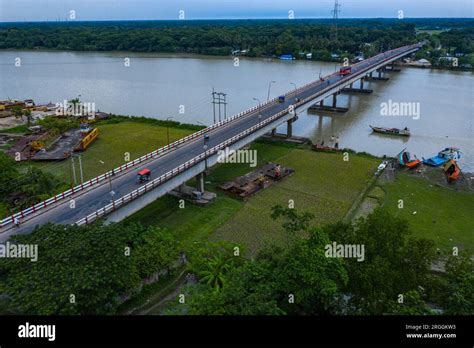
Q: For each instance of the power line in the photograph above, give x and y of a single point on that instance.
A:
(335, 16)
(219, 98)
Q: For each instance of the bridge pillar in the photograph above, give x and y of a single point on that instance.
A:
(334, 100)
(362, 83)
(274, 131)
(350, 86)
(289, 128)
(321, 102)
(380, 73)
(200, 182)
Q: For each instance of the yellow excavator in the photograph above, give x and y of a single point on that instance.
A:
(37, 145)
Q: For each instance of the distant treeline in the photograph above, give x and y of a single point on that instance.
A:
(261, 38)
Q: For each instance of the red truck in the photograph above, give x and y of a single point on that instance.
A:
(345, 71)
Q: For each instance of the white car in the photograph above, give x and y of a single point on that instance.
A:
(382, 166)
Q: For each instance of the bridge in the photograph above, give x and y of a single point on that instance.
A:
(189, 157)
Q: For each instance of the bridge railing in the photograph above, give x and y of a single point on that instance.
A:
(104, 177)
(154, 154)
(178, 170)
(173, 173)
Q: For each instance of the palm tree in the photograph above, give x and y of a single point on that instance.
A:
(216, 269)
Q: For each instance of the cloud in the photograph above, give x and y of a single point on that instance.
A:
(52, 10)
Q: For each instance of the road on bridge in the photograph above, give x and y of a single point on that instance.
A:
(89, 201)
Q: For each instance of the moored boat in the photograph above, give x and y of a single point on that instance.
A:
(405, 161)
(391, 131)
(452, 170)
(449, 153)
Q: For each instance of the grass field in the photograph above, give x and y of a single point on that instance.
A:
(114, 141)
(443, 215)
(323, 184)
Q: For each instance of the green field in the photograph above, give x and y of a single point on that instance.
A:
(322, 184)
(114, 141)
(434, 212)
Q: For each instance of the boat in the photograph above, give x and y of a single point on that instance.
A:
(391, 131)
(449, 153)
(405, 161)
(322, 148)
(452, 170)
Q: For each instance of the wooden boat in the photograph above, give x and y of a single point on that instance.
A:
(405, 161)
(392, 131)
(452, 170)
(413, 164)
(322, 148)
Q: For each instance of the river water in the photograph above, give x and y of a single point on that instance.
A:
(162, 86)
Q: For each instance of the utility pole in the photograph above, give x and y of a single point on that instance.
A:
(335, 17)
(219, 98)
(222, 100)
(80, 169)
(214, 103)
(269, 86)
(73, 170)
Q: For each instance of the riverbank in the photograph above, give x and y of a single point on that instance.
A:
(323, 184)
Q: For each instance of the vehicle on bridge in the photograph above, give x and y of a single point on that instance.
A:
(281, 99)
(143, 175)
(345, 71)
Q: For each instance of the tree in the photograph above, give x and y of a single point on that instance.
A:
(212, 261)
(394, 262)
(80, 269)
(459, 292)
(412, 304)
(215, 272)
(29, 118)
(17, 111)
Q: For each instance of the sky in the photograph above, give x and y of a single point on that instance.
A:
(52, 10)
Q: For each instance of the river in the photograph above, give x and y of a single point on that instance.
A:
(180, 86)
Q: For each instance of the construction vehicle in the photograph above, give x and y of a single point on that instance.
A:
(37, 145)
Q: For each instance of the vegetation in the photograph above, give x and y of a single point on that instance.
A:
(259, 37)
(433, 212)
(83, 270)
(302, 279)
(320, 186)
(443, 46)
(248, 223)
(110, 151)
(262, 38)
(17, 129)
(57, 125)
(18, 112)
(18, 191)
